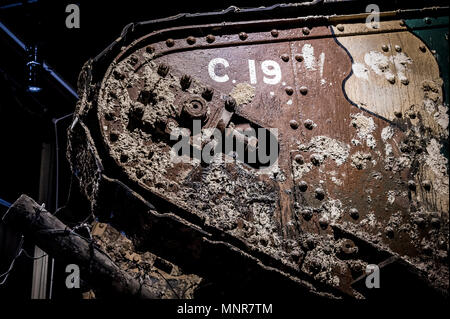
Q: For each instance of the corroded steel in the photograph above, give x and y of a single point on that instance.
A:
(349, 186)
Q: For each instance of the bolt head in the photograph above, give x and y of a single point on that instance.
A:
(303, 186)
(340, 27)
(289, 90)
(435, 222)
(210, 38)
(398, 114)
(299, 57)
(243, 36)
(170, 42)
(309, 124)
(303, 90)
(113, 136)
(412, 185)
(354, 213)
(398, 48)
(348, 247)
(150, 49)
(185, 82)
(299, 159)
(293, 124)
(391, 79)
(285, 57)
(207, 94)
(163, 69)
(307, 214)
(389, 231)
(230, 104)
(191, 40)
(314, 158)
(274, 33)
(323, 223)
(385, 48)
(320, 193)
(305, 30)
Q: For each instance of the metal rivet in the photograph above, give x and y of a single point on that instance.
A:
(299, 159)
(299, 57)
(118, 75)
(354, 213)
(303, 186)
(320, 193)
(150, 49)
(163, 69)
(412, 115)
(427, 20)
(348, 247)
(110, 116)
(190, 40)
(420, 221)
(274, 33)
(207, 94)
(303, 90)
(423, 48)
(171, 124)
(185, 82)
(389, 232)
(289, 90)
(113, 136)
(307, 214)
(412, 185)
(285, 57)
(323, 222)
(243, 36)
(133, 60)
(305, 31)
(314, 158)
(210, 38)
(293, 124)
(340, 27)
(385, 48)
(123, 158)
(404, 81)
(391, 79)
(195, 108)
(435, 222)
(170, 42)
(309, 124)
(230, 104)
(398, 48)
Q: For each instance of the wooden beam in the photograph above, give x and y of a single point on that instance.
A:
(54, 237)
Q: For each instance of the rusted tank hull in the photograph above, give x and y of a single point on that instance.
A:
(359, 117)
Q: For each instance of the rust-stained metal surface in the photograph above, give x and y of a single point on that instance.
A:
(347, 189)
